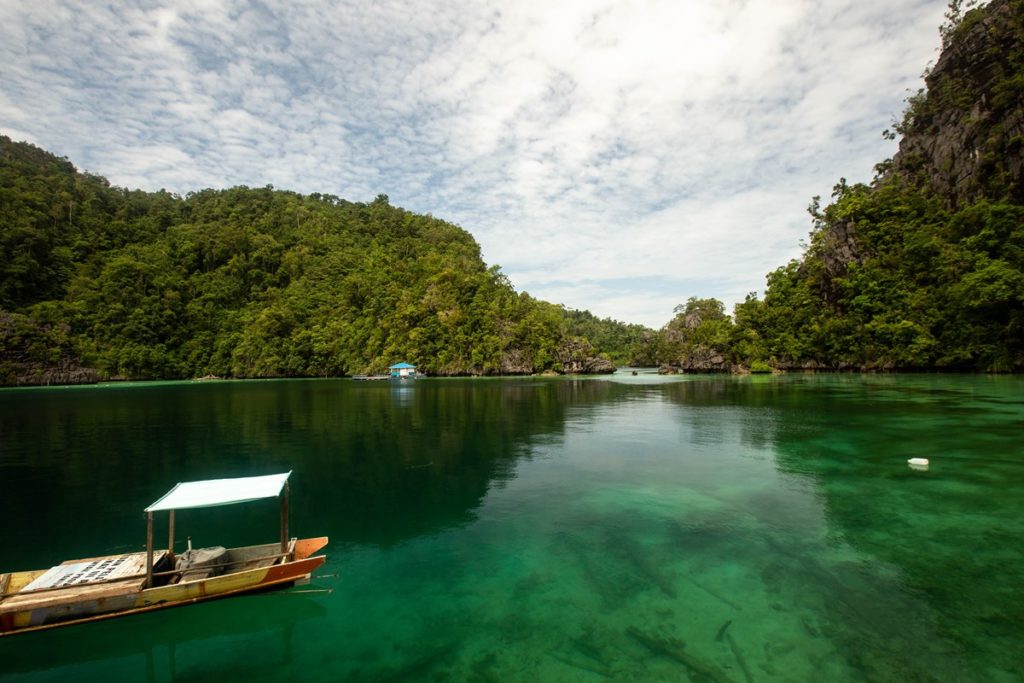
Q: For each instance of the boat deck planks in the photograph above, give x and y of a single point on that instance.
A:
(75, 593)
(76, 572)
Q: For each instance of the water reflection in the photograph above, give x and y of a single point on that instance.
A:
(916, 573)
(402, 392)
(371, 462)
(176, 641)
(563, 529)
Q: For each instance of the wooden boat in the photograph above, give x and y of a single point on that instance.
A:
(84, 590)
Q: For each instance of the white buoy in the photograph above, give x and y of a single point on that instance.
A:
(918, 463)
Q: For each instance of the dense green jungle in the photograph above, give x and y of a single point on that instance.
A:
(102, 282)
(921, 269)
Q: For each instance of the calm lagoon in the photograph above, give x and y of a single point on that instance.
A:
(632, 528)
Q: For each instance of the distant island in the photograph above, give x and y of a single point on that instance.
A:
(99, 282)
(923, 269)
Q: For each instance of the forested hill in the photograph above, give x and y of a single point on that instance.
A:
(101, 282)
(924, 267)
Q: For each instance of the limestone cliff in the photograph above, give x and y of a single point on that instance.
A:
(923, 268)
(964, 135)
(33, 353)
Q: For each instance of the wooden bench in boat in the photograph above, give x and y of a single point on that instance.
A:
(105, 578)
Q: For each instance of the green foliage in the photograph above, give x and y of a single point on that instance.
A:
(701, 336)
(933, 288)
(955, 15)
(964, 127)
(257, 282)
(36, 350)
(619, 341)
(899, 274)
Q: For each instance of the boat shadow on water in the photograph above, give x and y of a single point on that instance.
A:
(171, 640)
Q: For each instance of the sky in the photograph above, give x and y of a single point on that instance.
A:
(617, 156)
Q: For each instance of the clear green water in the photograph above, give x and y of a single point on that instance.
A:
(639, 529)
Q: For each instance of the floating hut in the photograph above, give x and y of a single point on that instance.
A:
(403, 371)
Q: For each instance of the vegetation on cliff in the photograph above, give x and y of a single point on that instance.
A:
(924, 267)
(254, 282)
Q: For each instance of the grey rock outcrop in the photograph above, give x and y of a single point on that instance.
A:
(515, 362)
(699, 359)
(965, 138)
(704, 359)
(577, 358)
(64, 372)
(839, 248)
(596, 365)
(34, 353)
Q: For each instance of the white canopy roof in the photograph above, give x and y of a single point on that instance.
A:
(203, 494)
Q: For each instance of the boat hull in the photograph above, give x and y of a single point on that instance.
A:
(76, 605)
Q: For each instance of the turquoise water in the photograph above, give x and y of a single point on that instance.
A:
(629, 529)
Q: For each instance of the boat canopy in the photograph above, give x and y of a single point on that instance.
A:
(212, 492)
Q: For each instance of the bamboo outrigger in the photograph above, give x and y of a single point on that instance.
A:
(85, 590)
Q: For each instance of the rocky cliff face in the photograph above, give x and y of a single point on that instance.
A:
(699, 359)
(35, 354)
(964, 137)
(922, 269)
(839, 248)
(577, 358)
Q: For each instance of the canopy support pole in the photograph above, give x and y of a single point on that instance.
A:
(284, 518)
(149, 550)
(170, 535)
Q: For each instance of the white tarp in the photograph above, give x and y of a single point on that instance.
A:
(202, 494)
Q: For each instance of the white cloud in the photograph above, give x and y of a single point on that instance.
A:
(616, 156)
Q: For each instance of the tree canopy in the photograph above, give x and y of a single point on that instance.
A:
(924, 267)
(254, 282)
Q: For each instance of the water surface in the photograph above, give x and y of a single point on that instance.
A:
(629, 529)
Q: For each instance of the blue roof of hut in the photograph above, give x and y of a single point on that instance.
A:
(402, 366)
